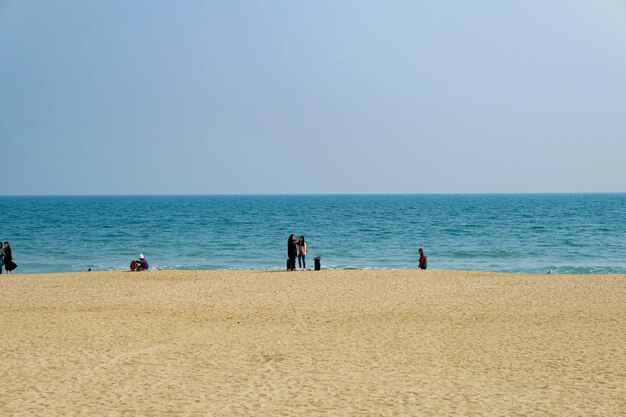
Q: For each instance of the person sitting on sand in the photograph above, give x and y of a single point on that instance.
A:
(422, 263)
(140, 264)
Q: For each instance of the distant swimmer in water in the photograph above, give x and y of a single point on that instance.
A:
(423, 264)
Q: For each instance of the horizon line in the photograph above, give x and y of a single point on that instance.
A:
(320, 194)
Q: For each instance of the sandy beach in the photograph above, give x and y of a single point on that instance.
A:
(327, 343)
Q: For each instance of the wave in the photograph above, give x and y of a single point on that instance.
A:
(483, 254)
(584, 270)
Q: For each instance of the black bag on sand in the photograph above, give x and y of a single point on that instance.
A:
(318, 263)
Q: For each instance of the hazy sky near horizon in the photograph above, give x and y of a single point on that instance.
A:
(223, 97)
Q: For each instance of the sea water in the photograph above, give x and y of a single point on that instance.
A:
(561, 233)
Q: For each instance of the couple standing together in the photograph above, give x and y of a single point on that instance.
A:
(296, 248)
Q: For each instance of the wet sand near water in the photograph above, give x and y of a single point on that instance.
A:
(314, 343)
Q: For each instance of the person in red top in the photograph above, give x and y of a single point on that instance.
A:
(422, 264)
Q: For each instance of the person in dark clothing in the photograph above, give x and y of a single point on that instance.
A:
(9, 265)
(291, 252)
(1, 257)
(142, 264)
(422, 263)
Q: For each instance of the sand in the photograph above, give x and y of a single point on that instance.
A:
(327, 343)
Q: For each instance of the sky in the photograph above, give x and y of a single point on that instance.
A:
(283, 97)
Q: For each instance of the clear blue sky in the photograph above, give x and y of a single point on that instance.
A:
(230, 97)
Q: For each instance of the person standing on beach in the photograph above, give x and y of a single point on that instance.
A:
(301, 250)
(291, 252)
(9, 265)
(422, 263)
(1, 258)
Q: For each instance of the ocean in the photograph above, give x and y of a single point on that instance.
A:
(521, 233)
